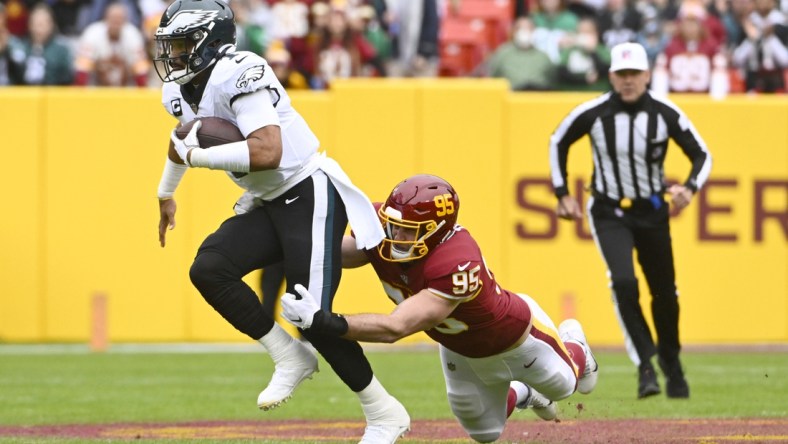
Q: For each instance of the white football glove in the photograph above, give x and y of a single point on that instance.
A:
(188, 143)
(299, 311)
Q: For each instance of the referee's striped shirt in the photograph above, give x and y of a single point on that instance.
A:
(629, 142)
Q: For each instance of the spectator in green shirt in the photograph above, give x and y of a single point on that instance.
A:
(519, 62)
(45, 58)
(554, 27)
(585, 62)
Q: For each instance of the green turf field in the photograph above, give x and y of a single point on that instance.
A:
(66, 388)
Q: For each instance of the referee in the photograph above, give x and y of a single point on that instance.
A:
(629, 130)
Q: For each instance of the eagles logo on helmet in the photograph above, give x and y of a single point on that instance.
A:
(191, 37)
(424, 203)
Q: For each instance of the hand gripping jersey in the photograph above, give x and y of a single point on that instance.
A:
(236, 75)
(488, 320)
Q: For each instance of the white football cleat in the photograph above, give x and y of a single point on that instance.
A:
(543, 407)
(287, 376)
(389, 427)
(571, 330)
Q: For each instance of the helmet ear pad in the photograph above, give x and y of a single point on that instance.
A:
(204, 57)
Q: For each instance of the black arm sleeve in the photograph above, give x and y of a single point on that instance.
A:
(329, 324)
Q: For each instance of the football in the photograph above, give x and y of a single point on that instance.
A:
(214, 131)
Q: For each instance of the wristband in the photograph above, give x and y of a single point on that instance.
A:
(170, 178)
(228, 157)
(329, 323)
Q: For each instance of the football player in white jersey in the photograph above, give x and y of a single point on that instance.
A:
(304, 203)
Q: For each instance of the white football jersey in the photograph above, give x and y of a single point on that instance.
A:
(236, 75)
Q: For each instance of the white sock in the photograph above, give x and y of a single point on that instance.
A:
(379, 407)
(521, 390)
(373, 393)
(278, 343)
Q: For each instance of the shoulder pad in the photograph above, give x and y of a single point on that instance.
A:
(242, 72)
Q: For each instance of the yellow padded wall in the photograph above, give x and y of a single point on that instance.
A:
(104, 154)
(735, 281)
(377, 125)
(22, 216)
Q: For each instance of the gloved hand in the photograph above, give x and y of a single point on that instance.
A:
(299, 311)
(188, 143)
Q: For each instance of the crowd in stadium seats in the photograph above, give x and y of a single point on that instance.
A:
(698, 46)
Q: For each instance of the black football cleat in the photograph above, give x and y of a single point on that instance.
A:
(676, 385)
(647, 381)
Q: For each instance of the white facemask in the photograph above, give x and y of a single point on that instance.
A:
(523, 38)
(586, 40)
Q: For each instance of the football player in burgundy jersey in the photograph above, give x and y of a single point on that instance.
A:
(499, 350)
(301, 199)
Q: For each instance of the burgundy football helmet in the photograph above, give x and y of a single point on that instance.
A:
(424, 204)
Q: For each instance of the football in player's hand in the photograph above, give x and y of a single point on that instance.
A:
(213, 131)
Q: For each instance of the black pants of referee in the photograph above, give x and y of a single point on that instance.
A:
(302, 230)
(646, 230)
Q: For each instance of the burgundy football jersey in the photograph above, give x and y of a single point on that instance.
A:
(489, 319)
(690, 70)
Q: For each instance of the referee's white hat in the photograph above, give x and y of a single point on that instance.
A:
(628, 56)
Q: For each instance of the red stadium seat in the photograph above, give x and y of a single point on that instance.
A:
(503, 7)
(497, 14)
(454, 61)
(463, 45)
(736, 81)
